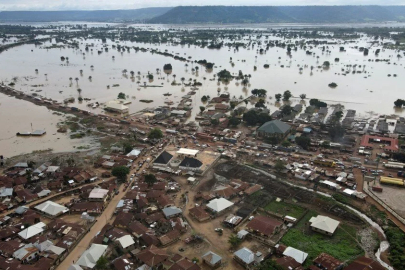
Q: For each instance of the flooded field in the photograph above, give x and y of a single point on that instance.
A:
(18, 115)
(99, 75)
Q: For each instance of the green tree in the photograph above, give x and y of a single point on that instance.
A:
(233, 121)
(286, 110)
(155, 133)
(278, 97)
(150, 179)
(286, 95)
(224, 75)
(121, 96)
(214, 122)
(260, 104)
(234, 241)
(286, 144)
(120, 172)
(279, 166)
(204, 98)
(269, 264)
(250, 117)
(202, 109)
(303, 141)
(303, 96)
(126, 147)
(399, 103)
(326, 64)
(102, 263)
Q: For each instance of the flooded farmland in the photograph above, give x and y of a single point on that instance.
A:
(100, 73)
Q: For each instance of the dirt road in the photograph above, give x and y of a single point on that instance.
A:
(102, 220)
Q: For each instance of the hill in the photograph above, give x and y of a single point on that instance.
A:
(132, 15)
(280, 14)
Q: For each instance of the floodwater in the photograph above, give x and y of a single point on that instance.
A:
(18, 115)
(372, 90)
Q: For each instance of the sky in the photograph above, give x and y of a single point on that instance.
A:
(134, 4)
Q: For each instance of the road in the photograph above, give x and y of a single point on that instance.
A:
(102, 220)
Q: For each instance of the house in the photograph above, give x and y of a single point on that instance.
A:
(98, 195)
(232, 220)
(171, 211)
(90, 257)
(199, 213)
(7, 248)
(264, 226)
(274, 128)
(126, 242)
(225, 192)
(116, 106)
(123, 263)
(163, 159)
(212, 259)
(219, 205)
(296, 254)
(363, 263)
(152, 256)
(253, 189)
(123, 219)
(245, 257)
(26, 254)
(33, 230)
(169, 238)
(324, 224)
(51, 209)
(137, 229)
(190, 164)
(288, 263)
(177, 262)
(326, 261)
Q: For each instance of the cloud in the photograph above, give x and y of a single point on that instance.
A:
(133, 4)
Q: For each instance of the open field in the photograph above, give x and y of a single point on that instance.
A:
(342, 245)
(285, 209)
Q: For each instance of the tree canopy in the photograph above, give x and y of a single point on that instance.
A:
(259, 92)
(224, 75)
(233, 121)
(121, 95)
(150, 179)
(102, 263)
(252, 118)
(303, 141)
(318, 104)
(286, 95)
(155, 133)
(120, 172)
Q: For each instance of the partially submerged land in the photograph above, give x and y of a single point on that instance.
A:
(236, 172)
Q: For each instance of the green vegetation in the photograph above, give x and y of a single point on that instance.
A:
(121, 96)
(342, 245)
(332, 85)
(399, 103)
(78, 135)
(253, 118)
(102, 263)
(260, 198)
(396, 238)
(233, 121)
(269, 264)
(318, 104)
(279, 166)
(150, 179)
(167, 67)
(285, 209)
(224, 75)
(155, 133)
(234, 241)
(287, 95)
(303, 141)
(120, 172)
(278, 97)
(259, 92)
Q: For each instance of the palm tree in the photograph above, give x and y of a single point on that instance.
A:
(182, 79)
(81, 72)
(70, 79)
(132, 73)
(79, 91)
(46, 76)
(125, 71)
(174, 77)
(77, 81)
(90, 78)
(157, 71)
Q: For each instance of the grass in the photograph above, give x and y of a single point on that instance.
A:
(284, 208)
(260, 198)
(342, 245)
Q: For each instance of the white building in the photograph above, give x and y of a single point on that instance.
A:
(90, 257)
(324, 224)
(116, 106)
(219, 205)
(51, 208)
(98, 195)
(32, 230)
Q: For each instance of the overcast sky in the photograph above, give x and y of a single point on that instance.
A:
(133, 4)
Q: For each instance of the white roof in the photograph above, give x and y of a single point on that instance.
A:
(329, 183)
(43, 193)
(51, 208)
(219, 204)
(246, 255)
(191, 179)
(296, 254)
(349, 191)
(116, 105)
(186, 151)
(75, 267)
(90, 257)
(32, 230)
(126, 241)
(98, 193)
(242, 233)
(134, 152)
(52, 168)
(324, 223)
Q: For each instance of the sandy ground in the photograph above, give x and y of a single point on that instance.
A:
(394, 197)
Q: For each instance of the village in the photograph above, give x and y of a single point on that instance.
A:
(209, 196)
